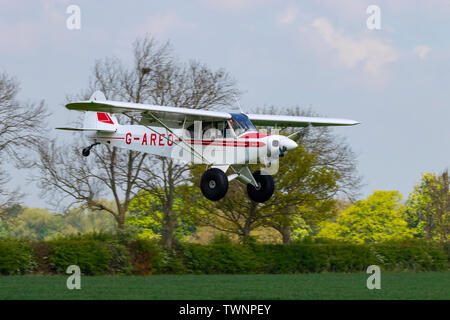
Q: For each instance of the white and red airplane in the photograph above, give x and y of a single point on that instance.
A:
(222, 140)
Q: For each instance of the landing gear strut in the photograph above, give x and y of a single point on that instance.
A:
(86, 151)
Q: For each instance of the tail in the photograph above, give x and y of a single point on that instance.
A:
(97, 121)
(100, 121)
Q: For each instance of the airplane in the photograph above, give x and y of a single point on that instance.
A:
(221, 140)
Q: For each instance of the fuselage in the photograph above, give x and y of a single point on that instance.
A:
(233, 142)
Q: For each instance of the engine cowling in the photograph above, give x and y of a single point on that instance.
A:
(270, 153)
(273, 146)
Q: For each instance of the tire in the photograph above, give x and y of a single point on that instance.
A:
(267, 187)
(86, 152)
(214, 184)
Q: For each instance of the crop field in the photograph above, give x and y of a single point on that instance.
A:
(425, 285)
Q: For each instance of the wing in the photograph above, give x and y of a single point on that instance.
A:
(86, 129)
(162, 112)
(295, 121)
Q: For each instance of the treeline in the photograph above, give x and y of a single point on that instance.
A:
(99, 254)
(158, 198)
(382, 217)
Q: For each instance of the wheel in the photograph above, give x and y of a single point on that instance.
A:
(86, 151)
(214, 184)
(265, 190)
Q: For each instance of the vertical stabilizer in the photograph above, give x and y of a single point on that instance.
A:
(97, 96)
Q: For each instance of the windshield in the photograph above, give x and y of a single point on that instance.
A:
(241, 123)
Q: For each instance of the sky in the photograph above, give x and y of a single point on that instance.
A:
(319, 55)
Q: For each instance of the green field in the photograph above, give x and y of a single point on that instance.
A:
(426, 285)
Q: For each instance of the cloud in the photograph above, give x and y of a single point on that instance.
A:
(288, 16)
(373, 54)
(422, 51)
(26, 34)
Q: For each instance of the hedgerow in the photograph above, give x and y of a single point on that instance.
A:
(16, 257)
(99, 255)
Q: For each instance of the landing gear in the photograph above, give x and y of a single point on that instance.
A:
(87, 151)
(264, 190)
(214, 184)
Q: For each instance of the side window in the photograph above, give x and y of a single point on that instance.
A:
(190, 131)
(211, 131)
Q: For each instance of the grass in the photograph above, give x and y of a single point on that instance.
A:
(425, 285)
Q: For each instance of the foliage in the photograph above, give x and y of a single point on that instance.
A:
(428, 207)
(305, 186)
(304, 196)
(378, 218)
(328, 256)
(40, 224)
(411, 256)
(222, 256)
(228, 258)
(36, 224)
(146, 257)
(146, 213)
(16, 257)
(91, 256)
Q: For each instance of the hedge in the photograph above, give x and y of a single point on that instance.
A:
(99, 256)
(16, 257)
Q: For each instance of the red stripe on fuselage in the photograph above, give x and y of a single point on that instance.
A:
(227, 143)
(110, 138)
(219, 143)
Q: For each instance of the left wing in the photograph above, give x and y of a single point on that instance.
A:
(296, 121)
(162, 112)
(87, 129)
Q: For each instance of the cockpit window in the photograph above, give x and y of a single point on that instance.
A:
(210, 130)
(241, 123)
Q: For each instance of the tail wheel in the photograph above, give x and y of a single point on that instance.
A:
(214, 184)
(86, 151)
(265, 188)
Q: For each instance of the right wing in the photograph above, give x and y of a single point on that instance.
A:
(296, 121)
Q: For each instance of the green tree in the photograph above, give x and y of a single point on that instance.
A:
(428, 207)
(304, 191)
(84, 220)
(36, 224)
(146, 212)
(304, 194)
(381, 217)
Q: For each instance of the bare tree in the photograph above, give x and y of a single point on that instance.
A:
(192, 85)
(20, 128)
(157, 78)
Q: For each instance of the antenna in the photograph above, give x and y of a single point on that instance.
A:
(238, 104)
